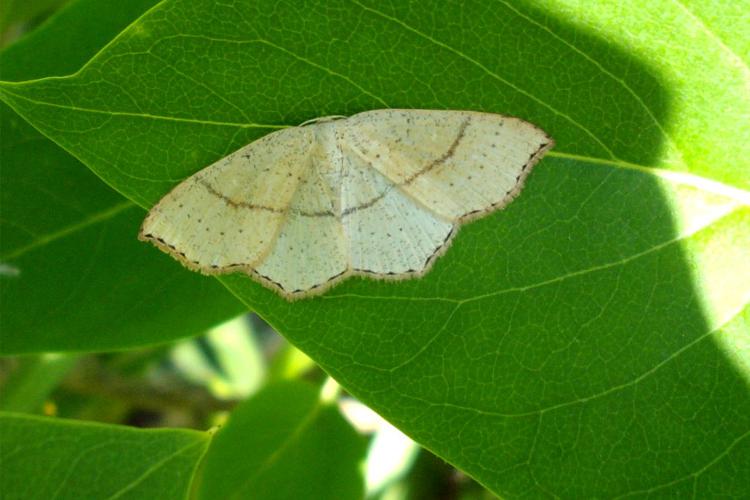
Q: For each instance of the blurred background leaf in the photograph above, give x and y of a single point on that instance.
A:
(16, 16)
(284, 443)
(75, 278)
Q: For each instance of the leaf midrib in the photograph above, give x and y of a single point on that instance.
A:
(5, 85)
(706, 185)
(703, 183)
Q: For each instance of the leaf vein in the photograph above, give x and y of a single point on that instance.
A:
(67, 230)
(4, 90)
(290, 53)
(605, 71)
(154, 467)
(619, 387)
(693, 475)
(732, 54)
(202, 85)
(491, 73)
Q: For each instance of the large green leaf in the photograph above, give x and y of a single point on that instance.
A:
(76, 278)
(591, 339)
(46, 458)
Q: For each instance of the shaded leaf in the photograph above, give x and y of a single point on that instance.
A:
(74, 276)
(51, 458)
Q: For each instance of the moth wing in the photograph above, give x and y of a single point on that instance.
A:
(455, 163)
(227, 216)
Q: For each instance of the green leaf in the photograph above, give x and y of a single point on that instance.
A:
(589, 340)
(29, 385)
(74, 276)
(69, 38)
(284, 443)
(50, 458)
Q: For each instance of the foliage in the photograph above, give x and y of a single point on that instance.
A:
(589, 340)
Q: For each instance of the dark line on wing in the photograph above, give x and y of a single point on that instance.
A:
(366, 204)
(237, 204)
(446, 156)
(242, 204)
(451, 151)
